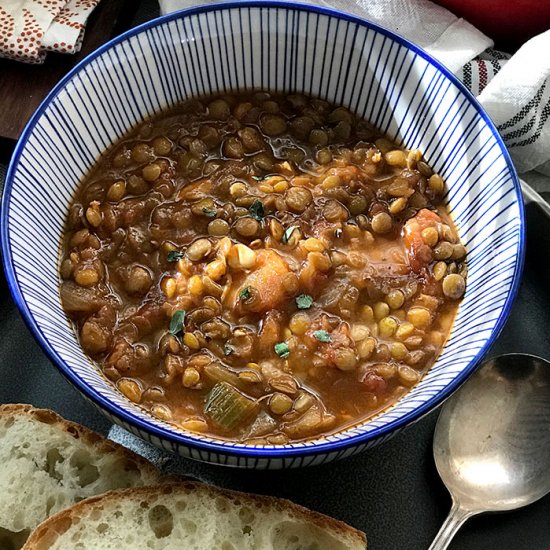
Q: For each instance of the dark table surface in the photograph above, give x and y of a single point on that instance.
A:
(392, 492)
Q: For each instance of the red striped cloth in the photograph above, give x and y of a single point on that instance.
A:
(477, 73)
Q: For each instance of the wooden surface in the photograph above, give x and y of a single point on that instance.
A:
(23, 86)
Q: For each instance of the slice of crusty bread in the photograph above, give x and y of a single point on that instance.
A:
(191, 516)
(48, 463)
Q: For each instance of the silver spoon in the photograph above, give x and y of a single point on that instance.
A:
(492, 440)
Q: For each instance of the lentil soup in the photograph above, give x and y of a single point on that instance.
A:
(261, 268)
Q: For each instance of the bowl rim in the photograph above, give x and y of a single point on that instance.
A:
(232, 448)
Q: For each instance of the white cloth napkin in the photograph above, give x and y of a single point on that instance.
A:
(518, 101)
(30, 28)
(430, 26)
(515, 91)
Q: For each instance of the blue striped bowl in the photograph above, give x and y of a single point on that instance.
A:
(287, 48)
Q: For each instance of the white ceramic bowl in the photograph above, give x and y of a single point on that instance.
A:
(286, 48)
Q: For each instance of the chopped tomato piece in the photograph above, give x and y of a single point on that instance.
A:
(417, 250)
(375, 383)
(270, 332)
(266, 282)
(312, 280)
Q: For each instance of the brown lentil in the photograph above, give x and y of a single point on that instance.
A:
(218, 228)
(247, 227)
(381, 223)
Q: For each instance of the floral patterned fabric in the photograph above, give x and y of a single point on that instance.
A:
(31, 28)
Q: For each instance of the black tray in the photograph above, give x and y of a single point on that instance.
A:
(391, 492)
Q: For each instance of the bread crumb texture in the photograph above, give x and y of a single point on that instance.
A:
(49, 464)
(195, 517)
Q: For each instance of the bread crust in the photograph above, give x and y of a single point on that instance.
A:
(48, 531)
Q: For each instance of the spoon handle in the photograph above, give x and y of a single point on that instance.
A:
(457, 516)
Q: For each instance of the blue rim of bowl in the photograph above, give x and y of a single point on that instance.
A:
(228, 448)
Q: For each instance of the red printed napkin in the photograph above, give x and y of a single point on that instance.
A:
(30, 28)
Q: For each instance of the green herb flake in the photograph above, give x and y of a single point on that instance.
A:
(228, 349)
(174, 256)
(304, 301)
(322, 336)
(258, 178)
(257, 210)
(208, 212)
(288, 233)
(176, 323)
(281, 349)
(244, 294)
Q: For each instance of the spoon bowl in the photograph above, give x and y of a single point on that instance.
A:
(492, 440)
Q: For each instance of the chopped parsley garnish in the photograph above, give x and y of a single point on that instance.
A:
(257, 210)
(245, 293)
(281, 349)
(208, 212)
(304, 301)
(174, 256)
(176, 323)
(288, 233)
(258, 178)
(228, 349)
(322, 336)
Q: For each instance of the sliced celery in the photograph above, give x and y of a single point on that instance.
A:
(228, 407)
